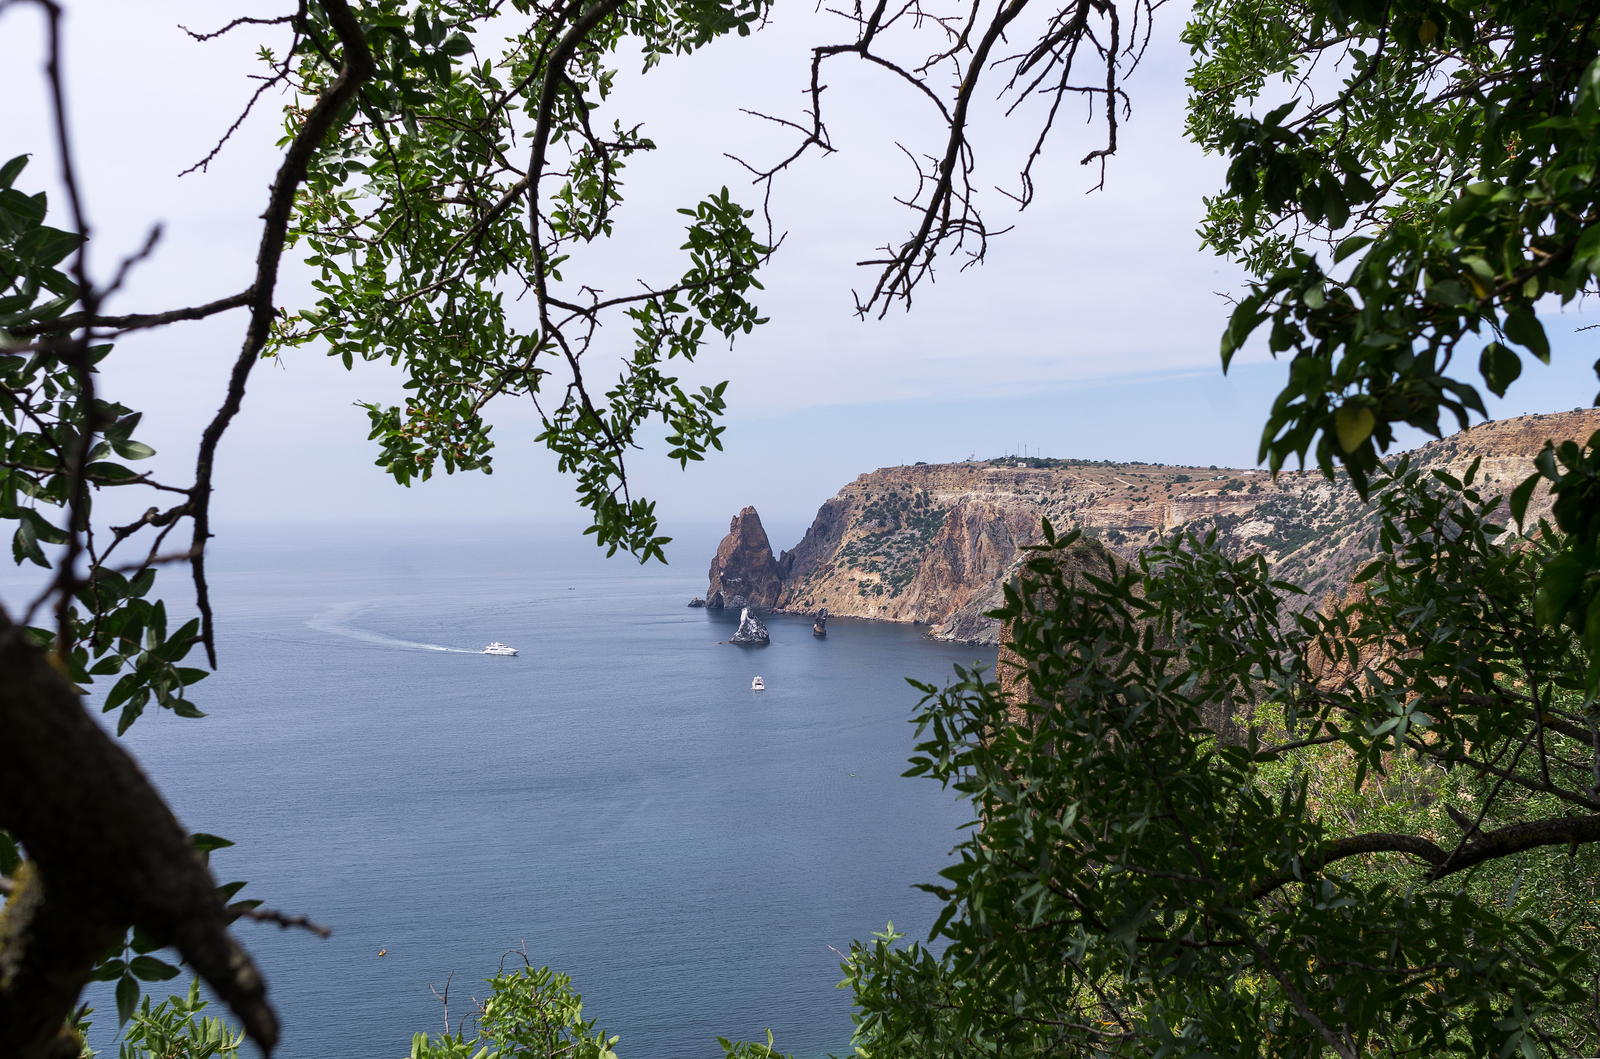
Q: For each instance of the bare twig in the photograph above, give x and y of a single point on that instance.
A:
(358, 67)
(284, 921)
(444, 998)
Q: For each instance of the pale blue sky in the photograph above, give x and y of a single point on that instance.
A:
(1091, 331)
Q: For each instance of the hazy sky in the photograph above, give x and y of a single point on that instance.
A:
(1091, 331)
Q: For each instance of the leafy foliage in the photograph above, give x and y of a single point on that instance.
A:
(534, 1014)
(1451, 175)
(421, 223)
(1569, 588)
(1151, 874)
(398, 180)
(117, 630)
(170, 1030)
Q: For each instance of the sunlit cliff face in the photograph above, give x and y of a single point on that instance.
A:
(935, 543)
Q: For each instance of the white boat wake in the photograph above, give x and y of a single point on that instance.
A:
(338, 620)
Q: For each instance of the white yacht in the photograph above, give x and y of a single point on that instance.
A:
(498, 648)
(758, 684)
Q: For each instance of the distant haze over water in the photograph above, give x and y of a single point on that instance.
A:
(616, 796)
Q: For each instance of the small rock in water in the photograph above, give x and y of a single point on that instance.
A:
(697, 602)
(750, 629)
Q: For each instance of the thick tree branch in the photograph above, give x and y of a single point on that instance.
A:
(1503, 842)
(136, 321)
(105, 853)
(1571, 831)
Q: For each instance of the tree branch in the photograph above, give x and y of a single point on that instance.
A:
(105, 853)
(136, 321)
(358, 67)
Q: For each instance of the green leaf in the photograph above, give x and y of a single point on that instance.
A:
(110, 970)
(1499, 367)
(206, 843)
(121, 692)
(1524, 328)
(24, 545)
(26, 207)
(110, 473)
(1368, 573)
(9, 171)
(41, 529)
(150, 969)
(45, 246)
(1520, 497)
(133, 450)
(10, 854)
(132, 712)
(1350, 246)
(191, 676)
(1561, 579)
(184, 708)
(127, 997)
(1354, 425)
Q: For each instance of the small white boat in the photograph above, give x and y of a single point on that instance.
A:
(758, 684)
(498, 648)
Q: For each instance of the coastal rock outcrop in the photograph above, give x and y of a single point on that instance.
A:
(935, 544)
(751, 631)
(743, 572)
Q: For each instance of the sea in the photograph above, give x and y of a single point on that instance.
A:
(614, 802)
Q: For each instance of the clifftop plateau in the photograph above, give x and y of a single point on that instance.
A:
(935, 543)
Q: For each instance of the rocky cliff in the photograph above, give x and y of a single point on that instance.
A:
(744, 573)
(935, 543)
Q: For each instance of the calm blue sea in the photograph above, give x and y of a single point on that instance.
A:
(615, 798)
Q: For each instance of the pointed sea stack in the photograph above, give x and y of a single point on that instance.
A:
(744, 573)
(820, 626)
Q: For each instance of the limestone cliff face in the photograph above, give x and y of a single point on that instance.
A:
(744, 573)
(934, 544)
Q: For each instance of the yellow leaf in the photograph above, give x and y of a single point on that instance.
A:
(1427, 31)
(1353, 424)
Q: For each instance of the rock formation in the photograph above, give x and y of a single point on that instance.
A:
(744, 573)
(820, 626)
(935, 544)
(697, 602)
(750, 629)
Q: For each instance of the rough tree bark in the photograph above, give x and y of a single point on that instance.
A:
(105, 854)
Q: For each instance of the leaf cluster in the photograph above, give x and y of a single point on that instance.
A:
(1148, 872)
(535, 1014)
(1450, 173)
(438, 200)
(171, 1030)
(110, 626)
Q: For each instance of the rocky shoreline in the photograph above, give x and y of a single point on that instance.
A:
(935, 544)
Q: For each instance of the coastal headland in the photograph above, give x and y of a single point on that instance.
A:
(935, 543)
